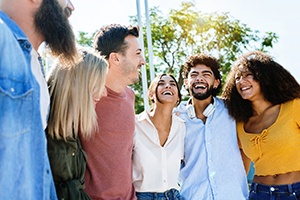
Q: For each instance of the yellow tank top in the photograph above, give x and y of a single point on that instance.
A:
(276, 150)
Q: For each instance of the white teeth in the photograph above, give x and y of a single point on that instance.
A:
(244, 88)
(167, 93)
(200, 87)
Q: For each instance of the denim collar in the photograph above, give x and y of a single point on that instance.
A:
(17, 31)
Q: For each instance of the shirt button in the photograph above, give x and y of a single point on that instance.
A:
(12, 89)
(272, 189)
(73, 154)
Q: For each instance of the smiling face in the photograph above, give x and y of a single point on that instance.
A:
(164, 89)
(132, 61)
(201, 82)
(246, 85)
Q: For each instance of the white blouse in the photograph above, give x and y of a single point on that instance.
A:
(155, 167)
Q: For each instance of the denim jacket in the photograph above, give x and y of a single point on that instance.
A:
(24, 165)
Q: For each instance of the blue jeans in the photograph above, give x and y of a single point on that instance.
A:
(277, 192)
(172, 194)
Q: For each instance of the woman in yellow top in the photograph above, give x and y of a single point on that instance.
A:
(263, 98)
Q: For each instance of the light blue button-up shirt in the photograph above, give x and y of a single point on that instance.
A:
(213, 166)
(24, 165)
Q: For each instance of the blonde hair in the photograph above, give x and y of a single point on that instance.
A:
(71, 91)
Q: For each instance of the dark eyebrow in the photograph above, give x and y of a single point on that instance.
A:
(193, 72)
(206, 71)
(161, 80)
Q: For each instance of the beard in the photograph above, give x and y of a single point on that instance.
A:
(52, 23)
(202, 96)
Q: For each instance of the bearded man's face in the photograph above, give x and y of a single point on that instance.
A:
(52, 22)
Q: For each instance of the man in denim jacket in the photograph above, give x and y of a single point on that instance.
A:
(24, 100)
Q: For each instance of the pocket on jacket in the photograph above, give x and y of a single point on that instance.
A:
(16, 107)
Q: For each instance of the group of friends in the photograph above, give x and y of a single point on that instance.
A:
(73, 133)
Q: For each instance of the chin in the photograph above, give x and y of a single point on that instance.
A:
(135, 80)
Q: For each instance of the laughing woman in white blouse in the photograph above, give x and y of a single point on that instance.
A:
(159, 143)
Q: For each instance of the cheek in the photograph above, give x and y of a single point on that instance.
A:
(190, 83)
(63, 3)
(237, 87)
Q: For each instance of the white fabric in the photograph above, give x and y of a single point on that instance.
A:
(44, 94)
(156, 168)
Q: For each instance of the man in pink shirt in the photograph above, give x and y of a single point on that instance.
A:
(109, 152)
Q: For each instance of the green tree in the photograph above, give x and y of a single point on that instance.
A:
(187, 31)
(85, 39)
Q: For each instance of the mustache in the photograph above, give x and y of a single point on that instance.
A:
(68, 12)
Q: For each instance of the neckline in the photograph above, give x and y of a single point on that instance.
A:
(268, 128)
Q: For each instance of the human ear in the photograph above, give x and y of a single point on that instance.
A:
(185, 82)
(216, 83)
(113, 57)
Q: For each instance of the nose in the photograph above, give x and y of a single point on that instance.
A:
(143, 61)
(168, 85)
(70, 5)
(199, 78)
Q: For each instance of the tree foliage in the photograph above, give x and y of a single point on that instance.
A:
(85, 39)
(187, 31)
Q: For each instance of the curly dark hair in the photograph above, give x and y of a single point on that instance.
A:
(276, 83)
(111, 38)
(207, 60)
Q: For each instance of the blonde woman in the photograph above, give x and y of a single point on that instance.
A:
(74, 92)
(159, 143)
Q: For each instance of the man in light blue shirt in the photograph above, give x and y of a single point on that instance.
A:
(213, 168)
(24, 100)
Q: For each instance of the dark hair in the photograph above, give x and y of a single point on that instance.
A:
(53, 24)
(207, 60)
(154, 85)
(276, 83)
(111, 38)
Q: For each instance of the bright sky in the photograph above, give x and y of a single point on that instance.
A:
(281, 17)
